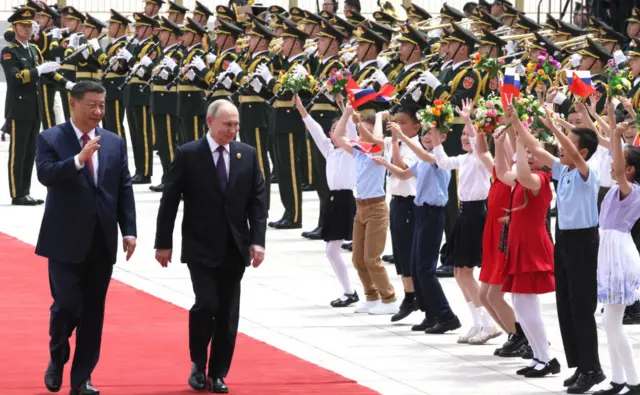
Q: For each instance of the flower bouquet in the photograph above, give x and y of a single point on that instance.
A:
(439, 115)
(530, 110)
(617, 79)
(486, 64)
(489, 114)
(336, 84)
(294, 82)
(543, 70)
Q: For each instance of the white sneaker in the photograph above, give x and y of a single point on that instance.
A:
(367, 306)
(484, 335)
(385, 308)
(472, 332)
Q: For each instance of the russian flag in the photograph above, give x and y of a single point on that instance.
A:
(366, 148)
(580, 82)
(358, 96)
(510, 86)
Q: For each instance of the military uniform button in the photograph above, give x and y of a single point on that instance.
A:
(249, 105)
(188, 94)
(288, 111)
(321, 115)
(20, 97)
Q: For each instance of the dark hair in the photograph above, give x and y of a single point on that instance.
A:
(469, 7)
(81, 88)
(352, 3)
(411, 110)
(371, 118)
(633, 159)
(335, 120)
(588, 139)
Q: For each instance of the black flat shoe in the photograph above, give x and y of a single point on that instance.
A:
(351, 299)
(197, 378)
(406, 308)
(586, 381)
(421, 327)
(511, 348)
(37, 201)
(444, 271)
(551, 367)
(219, 387)
(315, 234)
(273, 224)
(525, 370)
(444, 326)
(85, 388)
(157, 188)
(526, 352)
(615, 389)
(572, 380)
(139, 180)
(388, 258)
(633, 389)
(23, 201)
(53, 377)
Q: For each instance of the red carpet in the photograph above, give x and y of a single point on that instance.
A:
(144, 348)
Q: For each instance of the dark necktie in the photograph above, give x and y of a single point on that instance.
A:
(85, 139)
(221, 168)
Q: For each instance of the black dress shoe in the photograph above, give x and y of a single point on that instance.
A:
(274, 178)
(406, 308)
(347, 245)
(37, 201)
(444, 271)
(511, 348)
(572, 380)
(523, 371)
(388, 258)
(526, 352)
(157, 188)
(287, 224)
(53, 377)
(140, 179)
(350, 299)
(551, 367)
(421, 327)
(85, 388)
(197, 378)
(444, 326)
(315, 234)
(219, 387)
(273, 224)
(586, 381)
(23, 201)
(307, 188)
(615, 389)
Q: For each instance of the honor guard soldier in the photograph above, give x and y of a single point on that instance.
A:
(417, 14)
(385, 19)
(90, 62)
(354, 17)
(192, 108)
(9, 34)
(72, 20)
(176, 13)
(164, 102)
(324, 110)
(567, 31)
(483, 20)
(524, 25)
(46, 40)
(137, 102)
(201, 14)
(412, 45)
(225, 13)
(634, 74)
(366, 71)
(287, 128)
(23, 65)
(115, 74)
(612, 42)
(389, 64)
(509, 14)
(633, 27)
(152, 8)
(491, 46)
(498, 7)
(449, 14)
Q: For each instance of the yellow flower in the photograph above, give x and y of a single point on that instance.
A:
(436, 112)
(619, 87)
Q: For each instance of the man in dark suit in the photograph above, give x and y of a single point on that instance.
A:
(86, 173)
(223, 231)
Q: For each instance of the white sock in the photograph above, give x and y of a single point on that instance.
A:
(337, 263)
(485, 319)
(474, 314)
(620, 351)
(530, 317)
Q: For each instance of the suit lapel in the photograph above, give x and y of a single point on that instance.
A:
(75, 146)
(210, 167)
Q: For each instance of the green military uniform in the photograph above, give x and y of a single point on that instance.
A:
(490, 84)
(364, 71)
(22, 108)
(410, 72)
(192, 108)
(137, 102)
(67, 70)
(45, 42)
(164, 102)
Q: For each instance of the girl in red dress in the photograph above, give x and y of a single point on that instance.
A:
(528, 270)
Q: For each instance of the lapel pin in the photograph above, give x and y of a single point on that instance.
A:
(239, 155)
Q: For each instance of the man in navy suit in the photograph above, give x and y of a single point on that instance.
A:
(86, 172)
(223, 231)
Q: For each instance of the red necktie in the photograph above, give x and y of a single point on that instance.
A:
(85, 139)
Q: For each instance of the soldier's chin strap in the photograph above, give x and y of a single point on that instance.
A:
(257, 44)
(411, 53)
(221, 48)
(328, 48)
(592, 64)
(456, 52)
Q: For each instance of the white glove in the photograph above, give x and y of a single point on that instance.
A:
(234, 68)
(619, 57)
(256, 85)
(169, 63)
(69, 85)
(415, 95)
(264, 72)
(299, 70)
(511, 47)
(74, 40)
(382, 63)
(95, 44)
(124, 54)
(520, 70)
(330, 96)
(347, 56)
(198, 63)
(227, 82)
(56, 33)
(191, 75)
(48, 67)
(164, 74)
(146, 61)
(36, 28)
(428, 78)
(380, 77)
(140, 72)
(310, 50)
(211, 58)
(85, 54)
(575, 60)
(412, 85)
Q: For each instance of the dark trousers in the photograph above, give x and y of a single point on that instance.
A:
(576, 262)
(65, 98)
(259, 139)
(140, 129)
(289, 175)
(113, 118)
(193, 128)
(214, 316)
(22, 154)
(427, 237)
(167, 127)
(402, 228)
(47, 114)
(79, 291)
(306, 160)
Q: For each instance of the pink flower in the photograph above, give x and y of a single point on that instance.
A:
(501, 61)
(339, 77)
(543, 53)
(490, 104)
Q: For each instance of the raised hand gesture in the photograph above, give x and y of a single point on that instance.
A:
(465, 111)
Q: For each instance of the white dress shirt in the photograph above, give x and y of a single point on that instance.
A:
(94, 157)
(474, 180)
(601, 161)
(364, 64)
(341, 167)
(395, 185)
(214, 146)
